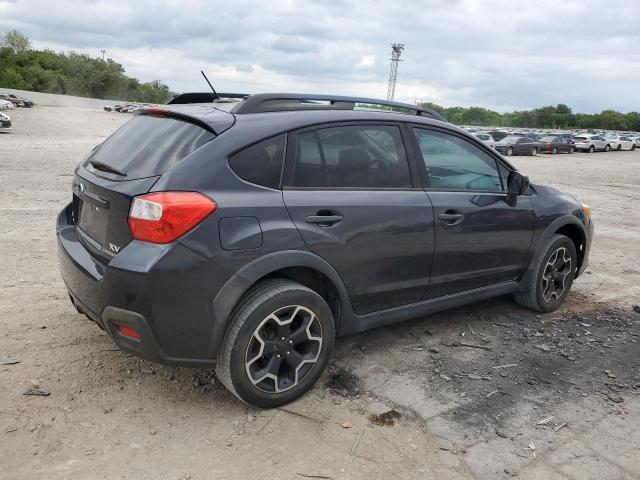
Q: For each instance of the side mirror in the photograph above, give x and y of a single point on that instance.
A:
(517, 184)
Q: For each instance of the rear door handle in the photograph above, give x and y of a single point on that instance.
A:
(324, 219)
(450, 218)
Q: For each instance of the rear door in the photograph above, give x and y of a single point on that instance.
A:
(127, 164)
(481, 240)
(349, 190)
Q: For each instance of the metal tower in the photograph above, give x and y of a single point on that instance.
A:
(396, 51)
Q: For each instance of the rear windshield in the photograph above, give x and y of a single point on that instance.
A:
(580, 138)
(146, 146)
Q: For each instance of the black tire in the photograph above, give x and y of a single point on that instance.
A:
(633, 148)
(619, 147)
(248, 318)
(534, 152)
(607, 147)
(509, 152)
(591, 149)
(555, 150)
(538, 297)
(572, 149)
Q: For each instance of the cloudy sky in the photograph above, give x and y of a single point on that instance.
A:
(500, 54)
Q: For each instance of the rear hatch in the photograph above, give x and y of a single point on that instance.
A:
(125, 165)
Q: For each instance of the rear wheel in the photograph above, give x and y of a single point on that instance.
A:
(607, 148)
(554, 271)
(572, 149)
(592, 149)
(509, 151)
(279, 343)
(555, 150)
(619, 147)
(534, 152)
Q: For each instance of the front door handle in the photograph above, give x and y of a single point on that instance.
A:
(325, 220)
(450, 218)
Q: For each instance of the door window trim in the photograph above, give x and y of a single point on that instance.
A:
(292, 154)
(419, 160)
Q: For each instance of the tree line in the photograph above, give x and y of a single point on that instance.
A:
(71, 73)
(556, 117)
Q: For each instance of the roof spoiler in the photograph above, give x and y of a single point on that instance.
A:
(203, 97)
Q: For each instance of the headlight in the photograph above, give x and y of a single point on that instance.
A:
(587, 210)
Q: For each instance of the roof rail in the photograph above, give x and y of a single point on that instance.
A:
(203, 97)
(280, 102)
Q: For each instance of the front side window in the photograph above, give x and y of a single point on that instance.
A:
(455, 164)
(370, 156)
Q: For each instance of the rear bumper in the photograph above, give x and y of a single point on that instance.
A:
(165, 292)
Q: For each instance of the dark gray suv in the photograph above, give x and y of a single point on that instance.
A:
(246, 233)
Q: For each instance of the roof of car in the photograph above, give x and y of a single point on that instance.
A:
(218, 118)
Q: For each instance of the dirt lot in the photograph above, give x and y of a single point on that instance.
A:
(455, 395)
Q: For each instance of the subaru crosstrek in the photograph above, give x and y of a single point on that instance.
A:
(246, 233)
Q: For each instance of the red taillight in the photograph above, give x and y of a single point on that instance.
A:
(163, 217)
(129, 332)
(549, 145)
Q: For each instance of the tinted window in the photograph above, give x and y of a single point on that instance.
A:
(454, 164)
(351, 156)
(147, 146)
(260, 163)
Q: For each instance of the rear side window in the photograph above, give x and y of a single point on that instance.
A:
(147, 146)
(367, 156)
(260, 163)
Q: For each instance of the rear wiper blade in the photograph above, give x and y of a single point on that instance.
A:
(103, 167)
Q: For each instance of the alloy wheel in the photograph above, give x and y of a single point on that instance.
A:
(556, 271)
(283, 349)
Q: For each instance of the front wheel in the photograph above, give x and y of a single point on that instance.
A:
(572, 149)
(619, 147)
(554, 269)
(509, 152)
(555, 150)
(607, 148)
(534, 152)
(279, 343)
(592, 149)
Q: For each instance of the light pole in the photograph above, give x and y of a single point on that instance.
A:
(103, 52)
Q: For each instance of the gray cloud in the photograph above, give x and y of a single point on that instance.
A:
(499, 54)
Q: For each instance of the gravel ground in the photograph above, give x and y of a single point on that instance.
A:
(455, 395)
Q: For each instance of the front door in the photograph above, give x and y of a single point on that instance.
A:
(349, 191)
(481, 240)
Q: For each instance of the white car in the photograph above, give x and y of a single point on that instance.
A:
(5, 121)
(622, 143)
(6, 105)
(635, 140)
(486, 138)
(591, 143)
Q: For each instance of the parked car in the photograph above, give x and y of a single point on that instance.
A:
(486, 138)
(6, 105)
(20, 101)
(192, 239)
(636, 141)
(498, 135)
(555, 144)
(517, 146)
(5, 121)
(16, 101)
(623, 143)
(591, 143)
